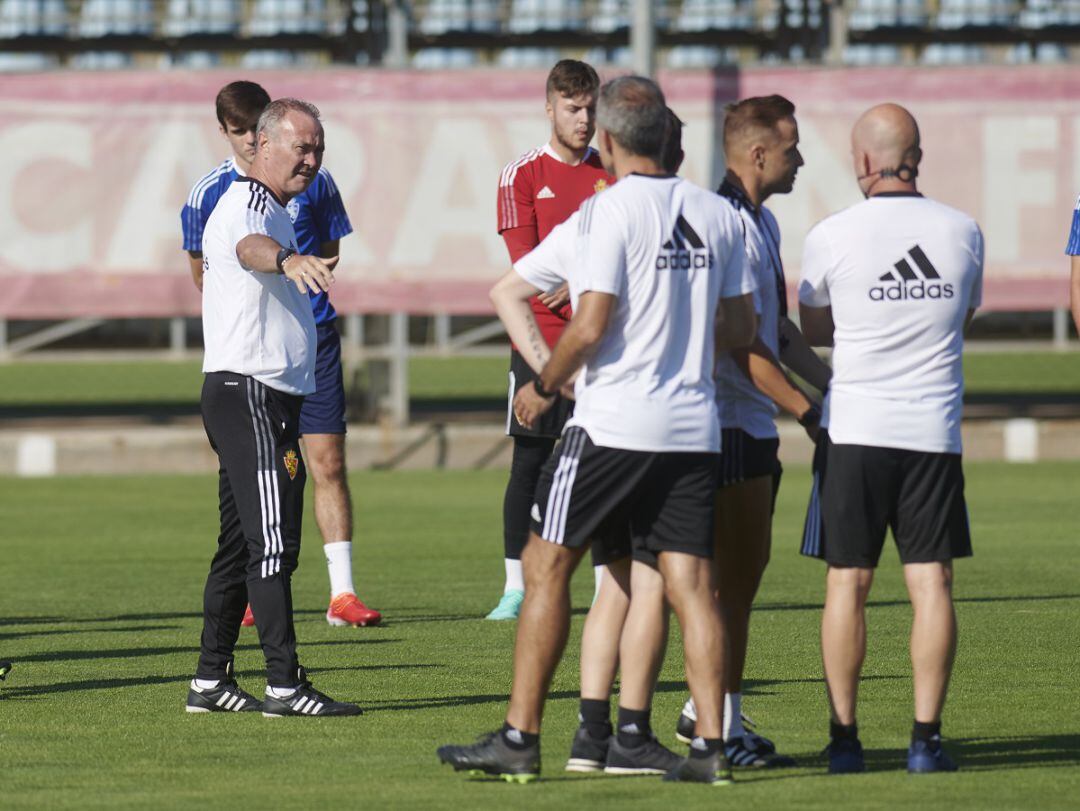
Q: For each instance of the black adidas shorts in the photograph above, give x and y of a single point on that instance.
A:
(551, 424)
(744, 457)
(626, 502)
(859, 491)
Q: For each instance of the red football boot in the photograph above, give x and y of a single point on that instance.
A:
(348, 609)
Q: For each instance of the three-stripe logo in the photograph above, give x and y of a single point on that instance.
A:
(684, 249)
(909, 283)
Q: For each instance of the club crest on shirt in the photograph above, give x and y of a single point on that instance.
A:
(293, 208)
(601, 184)
(292, 463)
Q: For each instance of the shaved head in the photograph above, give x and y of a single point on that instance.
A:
(884, 140)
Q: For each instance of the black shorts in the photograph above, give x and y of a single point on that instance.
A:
(859, 491)
(551, 423)
(744, 457)
(626, 502)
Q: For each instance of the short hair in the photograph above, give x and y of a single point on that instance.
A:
(761, 113)
(673, 150)
(279, 108)
(572, 78)
(241, 103)
(632, 110)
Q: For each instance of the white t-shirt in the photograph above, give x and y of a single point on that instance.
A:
(669, 251)
(256, 324)
(741, 404)
(900, 273)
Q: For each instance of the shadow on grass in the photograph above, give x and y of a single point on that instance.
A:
(157, 615)
(58, 631)
(1035, 598)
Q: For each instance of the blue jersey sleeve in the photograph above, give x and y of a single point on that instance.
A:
(327, 209)
(1073, 248)
(200, 203)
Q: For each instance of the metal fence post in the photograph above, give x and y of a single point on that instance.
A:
(399, 368)
(643, 37)
(177, 336)
(1061, 328)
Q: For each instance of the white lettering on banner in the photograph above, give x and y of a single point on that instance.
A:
(70, 242)
(1009, 187)
(459, 152)
(825, 185)
(148, 226)
(346, 160)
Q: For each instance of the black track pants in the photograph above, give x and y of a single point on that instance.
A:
(254, 430)
(530, 454)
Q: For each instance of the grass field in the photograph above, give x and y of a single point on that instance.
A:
(100, 595)
(177, 383)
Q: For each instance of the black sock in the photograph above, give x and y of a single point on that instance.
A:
(838, 731)
(926, 732)
(595, 716)
(634, 729)
(706, 747)
(516, 739)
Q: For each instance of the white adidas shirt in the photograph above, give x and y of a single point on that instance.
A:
(900, 273)
(255, 324)
(741, 404)
(669, 251)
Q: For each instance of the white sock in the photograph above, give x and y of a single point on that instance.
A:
(733, 727)
(279, 692)
(598, 577)
(689, 709)
(204, 684)
(339, 562)
(515, 578)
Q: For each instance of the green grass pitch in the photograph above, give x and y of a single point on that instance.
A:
(101, 594)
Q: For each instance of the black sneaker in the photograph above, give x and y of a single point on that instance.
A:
(588, 754)
(226, 697)
(745, 752)
(845, 756)
(652, 757)
(491, 755)
(307, 702)
(714, 770)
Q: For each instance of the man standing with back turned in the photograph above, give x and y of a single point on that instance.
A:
(319, 219)
(259, 363)
(661, 281)
(891, 283)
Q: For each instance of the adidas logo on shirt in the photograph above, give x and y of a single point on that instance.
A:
(912, 284)
(675, 255)
(545, 194)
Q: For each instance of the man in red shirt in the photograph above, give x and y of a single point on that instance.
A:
(537, 192)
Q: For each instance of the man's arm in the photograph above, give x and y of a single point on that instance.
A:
(736, 322)
(760, 365)
(817, 324)
(796, 354)
(574, 347)
(195, 263)
(259, 253)
(511, 295)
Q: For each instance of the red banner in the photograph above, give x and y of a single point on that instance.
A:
(97, 166)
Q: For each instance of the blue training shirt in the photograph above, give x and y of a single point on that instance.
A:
(318, 216)
(1073, 248)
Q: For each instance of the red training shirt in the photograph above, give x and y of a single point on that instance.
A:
(537, 192)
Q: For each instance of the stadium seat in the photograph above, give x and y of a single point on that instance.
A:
(695, 56)
(101, 18)
(528, 57)
(19, 18)
(869, 14)
(444, 58)
(952, 54)
(544, 15)
(867, 55)
(702, 15)
(963, 13)
(184, 17)
(610, 15)
(1043, 13)
(270, 17)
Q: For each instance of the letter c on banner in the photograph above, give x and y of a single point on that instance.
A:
(68, 244)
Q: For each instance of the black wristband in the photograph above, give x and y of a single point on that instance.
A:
(811, 417)
(547, 395)
(283, 256)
